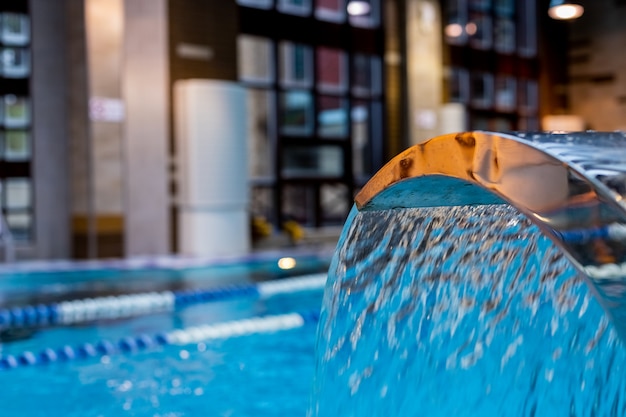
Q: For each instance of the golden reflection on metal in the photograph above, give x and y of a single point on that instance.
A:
(581, 212)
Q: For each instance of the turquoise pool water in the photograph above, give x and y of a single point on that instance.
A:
(261, 373)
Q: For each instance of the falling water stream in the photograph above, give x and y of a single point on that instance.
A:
(461, 311)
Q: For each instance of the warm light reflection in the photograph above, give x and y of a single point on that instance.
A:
(358, 8)
(286, 263)
(454, 30)
(471, 28)
(566, 11)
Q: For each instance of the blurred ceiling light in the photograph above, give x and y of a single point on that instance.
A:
(471, 28)
(454, 30)
(358, 8)
(565, 10)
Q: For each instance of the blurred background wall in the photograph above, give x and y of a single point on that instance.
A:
(90, 162)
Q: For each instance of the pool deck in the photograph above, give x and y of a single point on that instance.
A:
(321, 238)
(320, 243)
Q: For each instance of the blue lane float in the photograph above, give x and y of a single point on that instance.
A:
(142, 342)
(115, 307)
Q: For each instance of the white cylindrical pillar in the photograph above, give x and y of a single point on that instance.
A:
(211, 147)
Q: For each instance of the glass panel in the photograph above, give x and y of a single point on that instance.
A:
(527, 40)
(376, 138)
(371, 19)
(361, 149)
(480, 31)
(16, 145)
(528, 97)
(15, 29)
(298, 203)
(332, 117)
(506, 94)
(366, 75)
(16, 111)
(254, 59)
(260, 133)
(20, 224)
(312, 161)
(482, 5)
(505, 8)
(529, 124)
(17, 193)
(15, 63)
(456, 22)
(296, 116)
(482, 90)
(331, 10)
(331, 70)
(479, 123)
(259, 4)
(500, 124)
(335, 201)
(504, 36)
(458, 86)
(297, 7)
(295, 65)
(262, 202)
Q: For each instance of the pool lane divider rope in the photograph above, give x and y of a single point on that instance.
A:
(123, 306)
(191, 335)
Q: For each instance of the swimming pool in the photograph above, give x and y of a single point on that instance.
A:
(238, 339)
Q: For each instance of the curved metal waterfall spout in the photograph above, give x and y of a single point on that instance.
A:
(572, 185)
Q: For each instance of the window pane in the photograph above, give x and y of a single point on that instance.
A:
(255, 61)
(529, 124)
(482, 90)
(332, 120)
(15, 63)
(366, 75)
(528, 97)
(505, 7)
(331, 10)
(506, 94)
(480, 31)
(16, 145)
(16, 111)
(482, 5)
(312, 161)
(260, 128)
(335, 201)
(17, 193)
(458, 85)
(297, 7)
(296, 113)
(504, 35)
(298, 203)
(15, 29)
(527, 30)
(262, 202)
(371, 19)
(361, 148)
(295, 65)
(20, 224)
(500, 124)
(260, 4)
(331, 70)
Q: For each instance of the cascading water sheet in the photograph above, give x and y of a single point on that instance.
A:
(461, 311)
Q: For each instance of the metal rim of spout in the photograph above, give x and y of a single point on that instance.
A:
(571, 185)
(551, 177)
